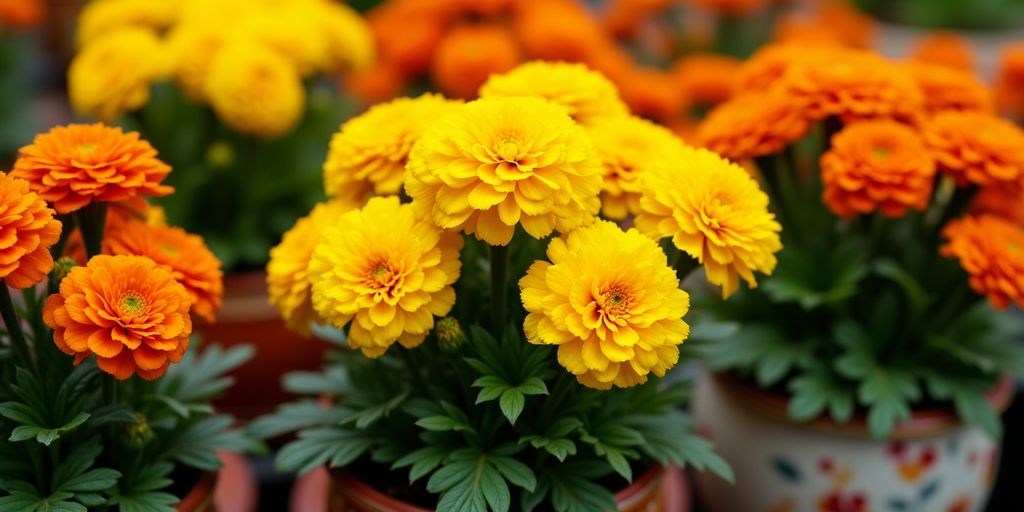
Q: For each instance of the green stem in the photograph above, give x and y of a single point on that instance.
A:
(13, 325)
(92, 221)
(67, 223)
(413, 369)
(499, 282)
(109, 390)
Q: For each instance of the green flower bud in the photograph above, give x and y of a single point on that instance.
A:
(220, 154)
(450, 336)
(61, 267)
(137, 435)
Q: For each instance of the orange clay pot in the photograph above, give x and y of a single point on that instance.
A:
(657, 490)
(247, 317)
(232, 489)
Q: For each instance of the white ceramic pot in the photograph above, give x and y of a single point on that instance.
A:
(930, 463)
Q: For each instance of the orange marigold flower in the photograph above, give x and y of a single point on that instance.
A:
(800, 30)
(375, 84)
(70, 166)
(991, 250)
(877, 165)
(854, 27)
(950, 89)
(651, 93)
(407, 33)
(557, 30)
(851, 84)
(1010, 80)
(127, 310)
(765, 68)
(976, 148)
(468, 55)
(706, 78)
(731, 7)
(20, 14)
(750, 125)
(27, 230)
(191, 263)
(118, 214)
(1005, 202)
(287, 279)
(947, 49)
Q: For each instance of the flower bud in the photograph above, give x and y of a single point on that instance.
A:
(137, 435)
(220, 154)
(61, 267)
(450, 336)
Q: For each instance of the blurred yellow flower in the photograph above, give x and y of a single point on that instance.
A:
(369, 154)
(254, 90)
(715, 212)
(610, 302)
(494, 163)
(387, 273)
(293, 30)
(627, 147)
(287, 279)
(586, 94)
(350, 44)
(112, 75)
(100, 17)
(192, 48)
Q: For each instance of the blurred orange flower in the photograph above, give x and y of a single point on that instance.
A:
(70, 166)
(622, 17)
(407, 33)
(557, 30)
(20, 14)
(1010, 80)
(118, 214)
(855, 28)
(851, 84)
(27, 230)
(652, 93)
(947, 49)
(991, 250)
(877, 165)
(126, 310)
(795, 29)
(976, 148)
(731, 7)
(186, 256)
(1005, 202)
(750, 125)
(469, 54)
(946, 88)
(767, 65)
(706, 78)
(375, 84)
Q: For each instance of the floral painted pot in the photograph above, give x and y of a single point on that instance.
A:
(931, 462)
(657, 490)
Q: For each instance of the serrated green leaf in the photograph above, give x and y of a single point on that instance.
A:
(515, 472)
(816, 390)
(512, 402)
(316, 447)
(533, 386)
(423, 461)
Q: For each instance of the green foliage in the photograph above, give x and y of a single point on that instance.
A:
(498, 426)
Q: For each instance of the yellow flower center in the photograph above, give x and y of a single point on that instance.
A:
(86, 148)
(384, 279)
(881, 152)
(131, 303)
(1014, 246)
(615, 301)
(169, 250)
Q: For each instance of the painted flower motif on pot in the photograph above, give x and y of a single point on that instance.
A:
(126, 310)
(386, 273)
(610, 302)
(498, 162)
(976, 149)
(70, 166)
(587, 95)
(27, 230)
(991, 250)
(715, 212)
(368, 155)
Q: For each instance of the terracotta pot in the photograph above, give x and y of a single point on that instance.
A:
(247, 317)
(232, 489)
(657, 490)
(930, 462)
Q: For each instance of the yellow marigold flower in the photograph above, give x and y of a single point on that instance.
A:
(27, 230)
(112, 74)
(100, 17)
(586, 94)
(287, 280)
(293, 29)
(610, 302)
(991, 250)
(350, 44)
(192, 48)
(497, 162)
(627, 147)
(369, 154)
(715, 212)
(254, 90)
(387, 273)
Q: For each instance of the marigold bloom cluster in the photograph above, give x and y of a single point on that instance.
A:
(1009, 87)
(385, 272)
(496, 163)
(126, 45)
(752, 124)
(715, 212)
(610, 302)
(368, 155)
(976, 149)
(991, 250)
(126, 310)
(27, 230)
(288, 282)
(877, 165)
(946, 88)
(946, 49)
(70, 166)
(706, 79)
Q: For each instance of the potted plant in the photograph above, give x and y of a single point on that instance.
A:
(869, 371)
(449, 390)
(104, 404)
(243, 114)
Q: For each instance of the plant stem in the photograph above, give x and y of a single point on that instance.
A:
(14, 327)
(413, 368)
(499, 281)
(109, 390)
(67, 223)
(92, 221)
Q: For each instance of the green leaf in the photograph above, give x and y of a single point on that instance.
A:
(21, 413)
(423, 461)
(912, 289)
(973, 408)
(332, 381)
(515, 472)
(335, 446)
(815, 390)
(201, 375)
(533, 386)
(887, 393)
(512, 402)
(572, 488)
(48, 435)
(669, 439)
(295, 416)
(142, 491)
(197, 445)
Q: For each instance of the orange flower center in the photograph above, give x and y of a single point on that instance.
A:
(881, 152)
(615, 301)
(169, 250)
(385, 279)
(1014, 246)
(131, 303)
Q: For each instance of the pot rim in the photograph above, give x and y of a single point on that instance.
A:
(200, 495)
(371, 496)
(929, 422)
